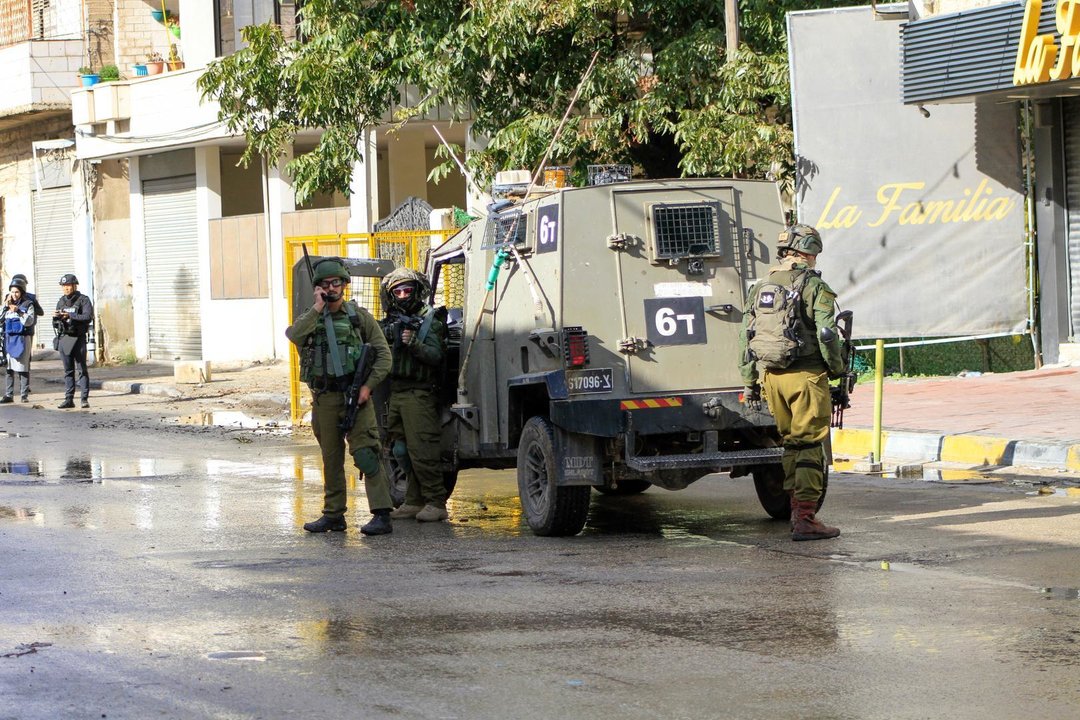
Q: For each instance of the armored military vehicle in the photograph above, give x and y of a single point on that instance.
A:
(597, 342)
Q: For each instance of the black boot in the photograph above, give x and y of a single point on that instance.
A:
(68, 403)
(380, 524)
(326, 523)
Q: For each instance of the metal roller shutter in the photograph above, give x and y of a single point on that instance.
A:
(1071, 123)
(172, 268)
(54, 251)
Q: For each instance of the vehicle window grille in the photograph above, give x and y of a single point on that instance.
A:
(499, 230)
(685, 230)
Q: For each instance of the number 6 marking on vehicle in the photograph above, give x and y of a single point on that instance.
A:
(675, 321)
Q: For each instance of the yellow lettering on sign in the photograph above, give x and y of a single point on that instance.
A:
(845, 217)
(1038, 58)
(898, 204)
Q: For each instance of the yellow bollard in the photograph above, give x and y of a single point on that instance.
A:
(879, 377)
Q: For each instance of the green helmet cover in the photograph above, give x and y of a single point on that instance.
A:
(330, 268)
(799, 238)
(399, 276)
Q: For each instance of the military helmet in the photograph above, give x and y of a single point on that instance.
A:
(799, 238)
(401, 276)
(330, 268)
(19, 276)
(69, 279)
(17, 282)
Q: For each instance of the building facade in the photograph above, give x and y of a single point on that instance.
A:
(1021, 53)
(135, 186)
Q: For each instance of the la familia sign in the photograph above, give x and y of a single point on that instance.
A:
(905, 203)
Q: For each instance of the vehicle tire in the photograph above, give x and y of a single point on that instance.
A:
(769, 484)
(625, 487)
(549, 509)
(397, 478)
(449, 478)
(399, 481)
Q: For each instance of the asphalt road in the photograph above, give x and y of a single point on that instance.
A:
(152, 570)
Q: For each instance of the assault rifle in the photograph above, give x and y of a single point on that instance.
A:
(841, 394)
(396, 322)
(364, 364)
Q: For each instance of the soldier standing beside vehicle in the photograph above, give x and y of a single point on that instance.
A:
(784, 349)
(71, 322)
(417, 334)
(330, 346)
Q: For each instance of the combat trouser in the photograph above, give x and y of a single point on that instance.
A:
(413, 418)
(800, 402)
(327, 410)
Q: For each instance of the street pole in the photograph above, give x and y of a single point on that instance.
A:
(731, 26)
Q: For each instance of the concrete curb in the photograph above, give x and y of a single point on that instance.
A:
(127, 387)
(974, 450)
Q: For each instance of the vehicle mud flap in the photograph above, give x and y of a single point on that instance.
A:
(580, 458)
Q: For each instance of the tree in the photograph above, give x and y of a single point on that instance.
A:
(661, 95)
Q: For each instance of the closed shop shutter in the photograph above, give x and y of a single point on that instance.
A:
(54, 251)
(1071, 111)
(172, 268)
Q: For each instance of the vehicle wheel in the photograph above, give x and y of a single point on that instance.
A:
(769, 484)
(449, 478)
(625, 487)
(398, 480)
(549, 509)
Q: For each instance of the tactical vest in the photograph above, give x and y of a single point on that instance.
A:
(314, 356)
(407, 368)
(778, 332)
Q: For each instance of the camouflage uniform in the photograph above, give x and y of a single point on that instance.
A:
(798, 395)
(309, 334)
(412, 421)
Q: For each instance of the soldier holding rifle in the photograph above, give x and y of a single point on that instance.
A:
(343, 355)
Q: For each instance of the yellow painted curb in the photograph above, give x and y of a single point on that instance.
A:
(1072, 461)
(973, 449)
(851, 442)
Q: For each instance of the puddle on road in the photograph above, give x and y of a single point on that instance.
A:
(1061, 593)
(237, 655)
(235, 419)
(30, 468)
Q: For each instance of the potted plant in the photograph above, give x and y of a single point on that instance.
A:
(109, 73)
(88, 77)
(139, 69)
(160, 15)
(174, 61)
(154, 63)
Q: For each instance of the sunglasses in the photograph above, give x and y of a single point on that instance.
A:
(403, 291)
(328, 284)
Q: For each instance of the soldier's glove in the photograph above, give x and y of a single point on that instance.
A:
(752, 398)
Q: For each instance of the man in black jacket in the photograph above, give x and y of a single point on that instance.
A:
(71, 321)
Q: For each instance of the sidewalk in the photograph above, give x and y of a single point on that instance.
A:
(1025, 419)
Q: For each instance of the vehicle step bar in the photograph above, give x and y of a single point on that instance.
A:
(711, 458)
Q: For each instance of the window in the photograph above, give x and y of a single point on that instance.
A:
(503, 224)
(685, 230)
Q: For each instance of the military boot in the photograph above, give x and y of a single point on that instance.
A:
(325, 524)
(432, 513)
(807, 526)
(380, 524)
(406, 511)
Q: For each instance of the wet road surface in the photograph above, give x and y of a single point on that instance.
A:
(162, 572)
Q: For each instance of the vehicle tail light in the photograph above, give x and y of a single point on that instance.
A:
(576, 346)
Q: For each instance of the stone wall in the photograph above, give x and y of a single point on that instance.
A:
(138, 34)
(112, 261)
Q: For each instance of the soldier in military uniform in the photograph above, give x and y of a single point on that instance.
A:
(417, 334)
(785, 351)
(330, 347)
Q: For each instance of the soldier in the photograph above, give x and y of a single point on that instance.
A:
(784, 348)
(71, 322)
(329, 349)
(417, 334)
